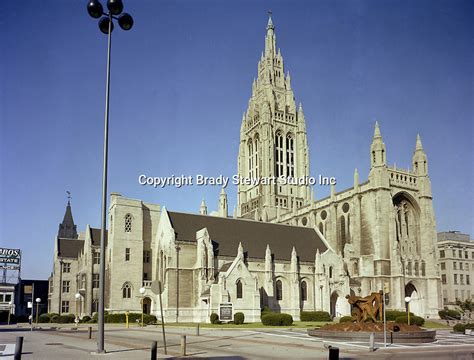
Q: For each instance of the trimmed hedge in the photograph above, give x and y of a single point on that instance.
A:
(277, 319)
(459, 328)
(85, 319)
(53, 317)
(44, 318)
(391, 315)
(66, 319)
(132, 318)
(345, 319)
(315, 316)
(239, 318)
(447, 314)
(414, 320)
(215, 319)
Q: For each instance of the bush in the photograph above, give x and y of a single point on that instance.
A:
(276, 319)
(265, 310)
(391, 315)
(53, 317)
(85, 319)
(459, 328)
(117, 318)
(345, 319)
(66, 319)
(449, 314)
(44, 318)
(239, 318)
(414, 320)
(315, 316)
(215, 318)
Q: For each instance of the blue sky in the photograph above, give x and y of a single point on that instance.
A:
(181, 80)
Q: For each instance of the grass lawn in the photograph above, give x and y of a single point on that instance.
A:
(435, 325)
(296, 324)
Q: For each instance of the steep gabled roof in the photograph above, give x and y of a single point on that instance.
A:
(69, 248)
(253, 235)
(95, 237)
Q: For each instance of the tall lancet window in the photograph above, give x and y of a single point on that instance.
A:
(279, 154)
(255, 164)
(290, 156)
(250, 157)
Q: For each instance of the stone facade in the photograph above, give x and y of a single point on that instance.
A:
(283, 249)
(456, 261)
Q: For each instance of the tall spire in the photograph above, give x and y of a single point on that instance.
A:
(270, 22)
(419, 160)
(203, 208)
(270, 38)
(67, 229)
(419, 145)
(377, 149)
(377, 133)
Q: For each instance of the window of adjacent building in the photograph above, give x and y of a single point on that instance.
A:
(445, 296)
(66, 286)
(127, 291)
(83, 281)
(128, 223)
(456, 295)
(239, 289)
(64, 306)
(146, 256)
(455, 279)
(8, 298)
(127, 254)
(279, 290)
(462, 295)
(460, 254)
(145, 276)
(461, 278)
(330, 272)
(423, 268)
(472, 255)
(441, 253)
(443, 266)
(50, 286)
(95, 281)
(468, 281)
(66, 267)
(96, 257)
(443, 278)
(1, 298)
(466, 255)
(461, 265)
(454, 253)
(304, 291)
(455, 265)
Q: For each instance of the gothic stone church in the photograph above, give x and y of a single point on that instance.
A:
(281, 249)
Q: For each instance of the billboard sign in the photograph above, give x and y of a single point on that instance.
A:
(10, 256)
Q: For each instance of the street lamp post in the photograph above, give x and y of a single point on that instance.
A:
(78, 297)
(142, 292)
(407, 300)
(95, 10)
(38, 300)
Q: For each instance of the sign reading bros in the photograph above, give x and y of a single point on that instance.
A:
(10, 256)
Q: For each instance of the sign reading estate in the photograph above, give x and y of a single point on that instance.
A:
(10, 256)
(225, 312)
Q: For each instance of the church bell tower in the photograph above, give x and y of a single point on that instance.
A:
(273, 142)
